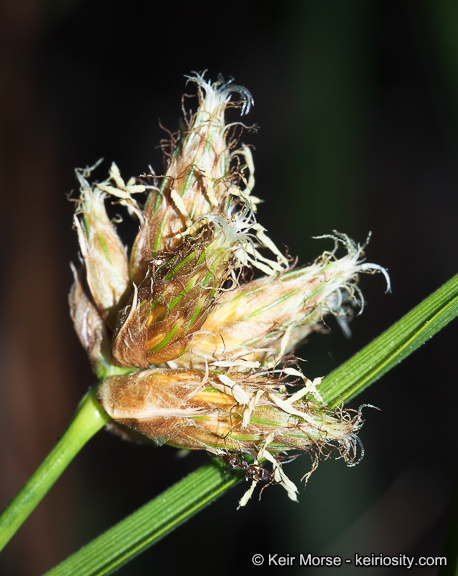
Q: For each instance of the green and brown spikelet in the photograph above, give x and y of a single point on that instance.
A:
(231, 414)
(201, 177)
(179, 291)
(266, 319)
(188, 352)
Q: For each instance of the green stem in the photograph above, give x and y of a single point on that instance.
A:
(89, 418)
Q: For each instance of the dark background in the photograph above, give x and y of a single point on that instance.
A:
(357, 105)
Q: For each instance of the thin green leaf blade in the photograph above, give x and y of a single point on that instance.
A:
(150, 523)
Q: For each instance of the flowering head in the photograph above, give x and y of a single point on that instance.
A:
(188, 352)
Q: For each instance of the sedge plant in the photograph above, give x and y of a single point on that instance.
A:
(191, 333)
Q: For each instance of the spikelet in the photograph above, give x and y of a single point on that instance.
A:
(263, 320)
(104, 255)
(241, 414)
(199, 179)
(178, 293)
